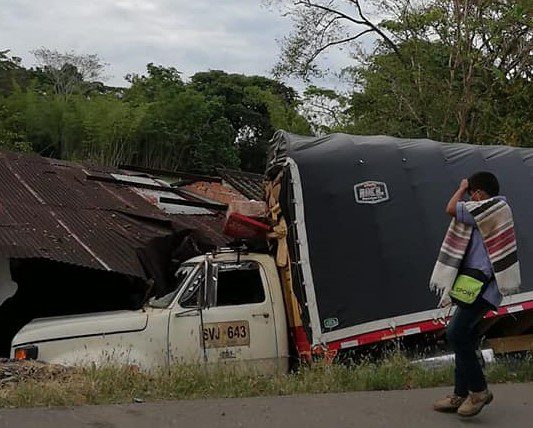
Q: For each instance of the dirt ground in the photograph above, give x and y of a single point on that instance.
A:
(512, 406)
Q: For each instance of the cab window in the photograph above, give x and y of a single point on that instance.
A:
(180, 278)
(239, 284)
(190, 296)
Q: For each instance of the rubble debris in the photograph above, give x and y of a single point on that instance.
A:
(13, 372)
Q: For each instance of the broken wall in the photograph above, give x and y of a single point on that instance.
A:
(47, 289)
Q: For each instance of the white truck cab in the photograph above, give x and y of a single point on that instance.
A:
(235, 312)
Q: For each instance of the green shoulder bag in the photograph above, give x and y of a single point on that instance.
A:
(465, 289)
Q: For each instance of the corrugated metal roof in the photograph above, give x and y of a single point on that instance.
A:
(210, 226)
(48, 209)
(248, 184)
(154, 196)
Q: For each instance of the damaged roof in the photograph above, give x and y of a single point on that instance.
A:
(248, 184)
(49, 209)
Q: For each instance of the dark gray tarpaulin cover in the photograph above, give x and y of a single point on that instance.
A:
(372, 247)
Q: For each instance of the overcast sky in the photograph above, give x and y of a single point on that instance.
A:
(192, 35)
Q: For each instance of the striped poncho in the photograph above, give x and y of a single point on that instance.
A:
(494, 220)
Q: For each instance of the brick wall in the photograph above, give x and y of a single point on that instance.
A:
(217, 192)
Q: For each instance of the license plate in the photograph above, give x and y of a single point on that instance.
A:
(226, 334)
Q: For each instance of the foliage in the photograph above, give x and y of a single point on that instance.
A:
(14, 142)
(321, 25)
(450, 70)
(325, 109)
(109, 130)
(157, 83)
(8, 62)
(68, 72)
(12, 73)
(160, 121)
(255, 107)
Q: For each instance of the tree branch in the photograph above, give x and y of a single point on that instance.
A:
(330, 10)
(374, 27)
(337, 42)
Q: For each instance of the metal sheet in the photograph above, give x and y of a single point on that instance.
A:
(248, 184)
(49, 210)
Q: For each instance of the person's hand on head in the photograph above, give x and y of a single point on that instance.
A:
(464, 185)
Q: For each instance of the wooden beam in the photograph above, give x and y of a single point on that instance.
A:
(197, 204)
(111, 179)
(503, 345)
(162, 172)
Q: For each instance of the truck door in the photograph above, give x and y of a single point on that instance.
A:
(184, 345)
(239, 324)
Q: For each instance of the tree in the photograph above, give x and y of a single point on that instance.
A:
(319, 26)
(41, 118)
(14, 142)
(488, 48)
(255, 106)
(160, 121)
(68, 71)
(325, 109)
(453, 70)
(68, 74)
(12, 73)
(109, 130)
(8, 62)
(156, 83)
(183, 128)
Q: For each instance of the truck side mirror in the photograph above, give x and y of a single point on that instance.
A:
(211, 280)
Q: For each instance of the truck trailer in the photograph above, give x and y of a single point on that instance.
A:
(354, 225)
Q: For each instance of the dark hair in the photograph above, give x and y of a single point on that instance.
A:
(485, 181)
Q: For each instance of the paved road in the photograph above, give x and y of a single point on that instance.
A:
(512, 407)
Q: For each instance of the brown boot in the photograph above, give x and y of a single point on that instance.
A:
(475, 402)
(448, 404)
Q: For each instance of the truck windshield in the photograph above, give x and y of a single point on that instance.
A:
(181, 277)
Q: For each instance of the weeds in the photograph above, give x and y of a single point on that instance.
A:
(108, 385)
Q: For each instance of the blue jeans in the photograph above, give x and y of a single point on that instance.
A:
(463, 336)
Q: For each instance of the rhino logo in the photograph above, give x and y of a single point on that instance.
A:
(371, 192)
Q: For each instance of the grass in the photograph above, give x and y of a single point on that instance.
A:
(108, 385)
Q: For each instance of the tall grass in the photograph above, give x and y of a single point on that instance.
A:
(108, 385)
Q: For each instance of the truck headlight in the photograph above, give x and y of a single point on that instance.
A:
(26, 353)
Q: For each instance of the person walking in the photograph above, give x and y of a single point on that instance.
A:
(477, 264)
